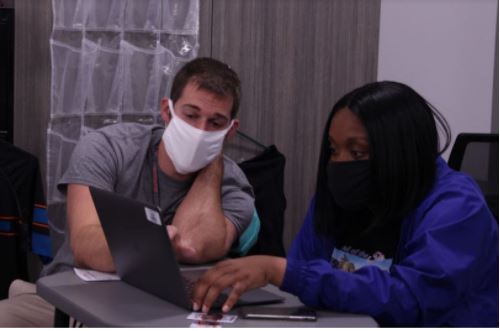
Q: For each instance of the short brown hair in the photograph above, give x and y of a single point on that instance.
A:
(210, 75)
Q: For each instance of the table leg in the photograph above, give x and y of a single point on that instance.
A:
(61, 319)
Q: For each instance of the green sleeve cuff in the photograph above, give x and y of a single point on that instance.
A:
(249, 237)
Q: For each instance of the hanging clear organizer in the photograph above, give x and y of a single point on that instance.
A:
(112, 62)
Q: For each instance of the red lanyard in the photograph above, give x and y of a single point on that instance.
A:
(156, 186)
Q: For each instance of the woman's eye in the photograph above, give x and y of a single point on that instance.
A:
(333, 153)
(357, 155)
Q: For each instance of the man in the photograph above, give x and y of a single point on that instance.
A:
(203, 195)
(179, 168)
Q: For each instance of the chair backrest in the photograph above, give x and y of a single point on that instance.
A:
(23, 218)
(57, 225)
(13, 257)
(477, 155)
(265, 172)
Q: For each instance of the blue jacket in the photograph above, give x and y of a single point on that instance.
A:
(445, 271)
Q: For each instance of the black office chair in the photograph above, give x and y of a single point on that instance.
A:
(23, 222)
(477, 155)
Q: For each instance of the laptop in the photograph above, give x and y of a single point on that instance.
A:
(144, 257)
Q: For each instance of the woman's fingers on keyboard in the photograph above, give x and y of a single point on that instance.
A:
(215, 289)
(238, 289)
(201, 289)
(209, 286)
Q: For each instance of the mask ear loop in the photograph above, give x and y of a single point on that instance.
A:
(171, 108)
(171, 113)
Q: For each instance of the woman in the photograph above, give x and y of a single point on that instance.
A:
(392, 231)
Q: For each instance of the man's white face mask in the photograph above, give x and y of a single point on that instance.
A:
(189, 148)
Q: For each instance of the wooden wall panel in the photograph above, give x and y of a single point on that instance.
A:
(295, 59)
(32, 76)
(494, 110)
(205, 33)
(33, 25)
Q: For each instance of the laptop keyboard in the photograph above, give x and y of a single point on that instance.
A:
(190, 284)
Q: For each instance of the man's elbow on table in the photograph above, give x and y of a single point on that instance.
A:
(208, 249)
(91, 255)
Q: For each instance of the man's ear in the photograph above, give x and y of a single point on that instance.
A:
(165, 110)
(232, 132)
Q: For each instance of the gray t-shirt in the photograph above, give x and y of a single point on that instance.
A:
(120, 158)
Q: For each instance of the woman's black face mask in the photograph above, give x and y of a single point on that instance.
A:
(350, 184)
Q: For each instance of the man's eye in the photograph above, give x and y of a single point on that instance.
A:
(217, 125)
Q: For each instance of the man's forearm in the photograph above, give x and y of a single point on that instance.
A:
(200, 218)
(91, 250)
(203, 227)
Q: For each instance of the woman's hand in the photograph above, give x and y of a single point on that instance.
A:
(241, 275)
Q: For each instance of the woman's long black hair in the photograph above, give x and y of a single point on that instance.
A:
(404, 145)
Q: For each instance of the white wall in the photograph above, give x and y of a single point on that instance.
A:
(445, 50)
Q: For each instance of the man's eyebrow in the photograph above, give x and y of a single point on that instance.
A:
(193, 107)
(197, 109)
(221, 116)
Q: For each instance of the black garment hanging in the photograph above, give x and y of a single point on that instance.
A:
(23, 218)
(250, 139)
(265, 172)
